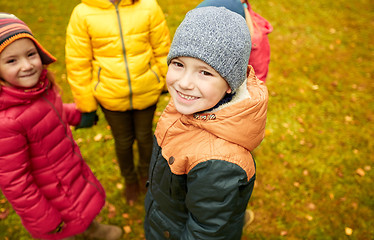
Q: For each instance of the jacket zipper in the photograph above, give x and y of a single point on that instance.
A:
(72, 142)
(98, 78)
(124, 54)
(150, 67)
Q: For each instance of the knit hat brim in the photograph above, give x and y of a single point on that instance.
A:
(217, 36)
(13, 29)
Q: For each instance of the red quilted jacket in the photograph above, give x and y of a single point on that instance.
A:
(42, 172)
(260, 53)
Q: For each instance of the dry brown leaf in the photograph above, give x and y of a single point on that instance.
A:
(4, 213)
(108, 137)
(111, 210)
(300, 120)
(311, 206)
(348, 231)
(360, 172)
(348, 119)
(98, 137)
(127, 229)
(331, 195)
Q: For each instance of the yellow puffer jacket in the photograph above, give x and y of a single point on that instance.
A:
(116, 54)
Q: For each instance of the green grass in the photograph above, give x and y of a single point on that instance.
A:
(319, 130)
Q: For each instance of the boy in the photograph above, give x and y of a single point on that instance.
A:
(202, 172)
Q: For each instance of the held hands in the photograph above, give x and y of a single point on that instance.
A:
(88, 120)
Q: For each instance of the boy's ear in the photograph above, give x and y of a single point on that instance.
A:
(229, 90)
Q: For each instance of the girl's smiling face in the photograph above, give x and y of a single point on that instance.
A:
(20, 64)
(194, 85)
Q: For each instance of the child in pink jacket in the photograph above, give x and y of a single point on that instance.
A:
(42, 172)
(259, 28)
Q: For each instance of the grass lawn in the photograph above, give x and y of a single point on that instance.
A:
(315, 167)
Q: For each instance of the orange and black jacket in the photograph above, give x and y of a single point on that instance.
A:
(202, 172)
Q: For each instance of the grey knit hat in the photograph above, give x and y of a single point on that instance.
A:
(218, 37)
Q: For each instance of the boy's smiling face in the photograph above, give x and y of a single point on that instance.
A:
(194, 85)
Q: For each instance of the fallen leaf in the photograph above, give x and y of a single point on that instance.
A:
(348, 119)
(127, 229)
(125, 215)
(108, 137)
(267, 132)
(300, 120)
(4, 213)
(331, 195)
(283, 233)
(111, 210)
(348, 231)
(309, 218)
(360, 172)
(311, 206)
(367, 168)
(98, 137)
(296, 184)
(119, 186)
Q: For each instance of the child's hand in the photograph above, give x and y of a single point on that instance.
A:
(88, 120)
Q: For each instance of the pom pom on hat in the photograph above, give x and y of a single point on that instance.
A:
(217, 36)
(12, 29)
(232, 5)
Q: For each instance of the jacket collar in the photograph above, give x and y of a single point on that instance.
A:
(10, 96)
(105, 3)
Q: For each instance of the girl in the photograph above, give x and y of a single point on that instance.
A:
(259, 29)
(42, 173)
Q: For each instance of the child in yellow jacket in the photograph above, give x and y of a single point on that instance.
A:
(116, 59)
